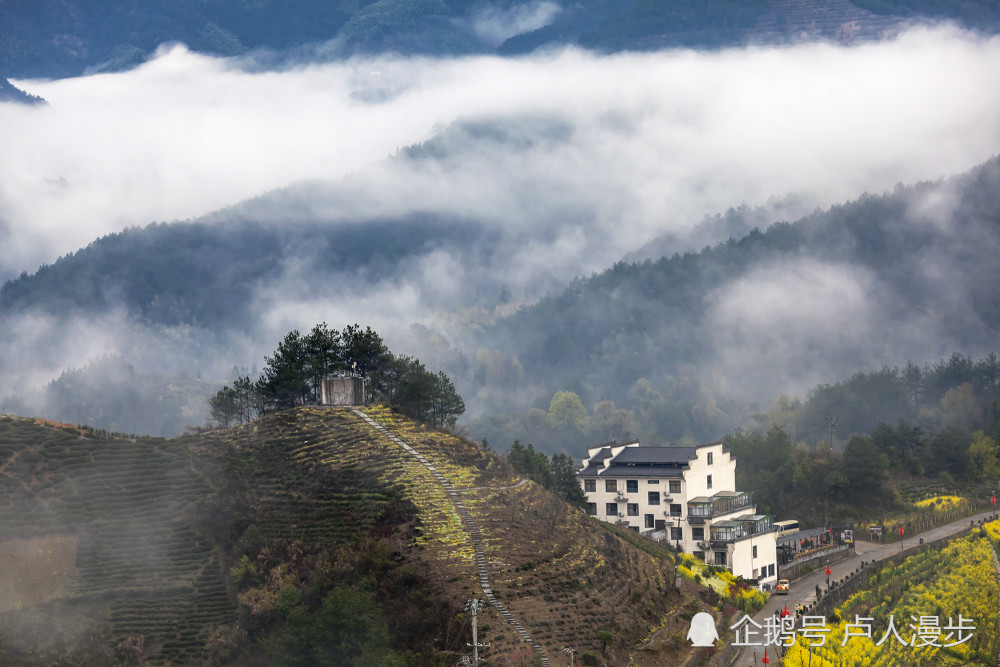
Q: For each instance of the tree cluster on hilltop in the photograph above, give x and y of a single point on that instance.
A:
(294, 373)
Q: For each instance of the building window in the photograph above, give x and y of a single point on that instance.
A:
(611, 509)
(633, 509)
(635, 528)
(611, 485)
(653, 481)
(700, 555)
(654, 497)
(770, 570)
(675, 486)
(592, 509)
(708, 482)
(698, 533)
(649, 521)
(710, 458)
(675, 509)
(720, 557)
(589, 485)
(753, 551)
(676, 533)
(632, 486)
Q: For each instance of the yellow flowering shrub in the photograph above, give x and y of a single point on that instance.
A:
(940, 502)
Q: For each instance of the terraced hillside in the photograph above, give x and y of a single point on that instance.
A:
(100, 542)
(569, 581)
(310, 537)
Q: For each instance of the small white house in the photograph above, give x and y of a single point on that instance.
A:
(686, 495)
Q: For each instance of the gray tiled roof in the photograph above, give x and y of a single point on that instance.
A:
(656, 455)
(601, 455)
(638, 461)
(616, 470)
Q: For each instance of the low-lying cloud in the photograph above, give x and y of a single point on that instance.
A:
(494, 24)
(656, 140)
(565, 162)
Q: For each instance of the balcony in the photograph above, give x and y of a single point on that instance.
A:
(727, 532)
(758, 523)
(704, 508)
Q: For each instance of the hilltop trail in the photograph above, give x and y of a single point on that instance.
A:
(471, 528)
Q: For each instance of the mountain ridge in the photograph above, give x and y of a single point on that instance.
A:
(50, 39)
(909, 266)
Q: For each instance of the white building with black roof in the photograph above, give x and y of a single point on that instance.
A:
(686, 495)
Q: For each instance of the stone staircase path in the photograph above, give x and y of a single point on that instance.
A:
(473, 530)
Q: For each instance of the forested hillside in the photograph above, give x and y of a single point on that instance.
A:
(209, 275)
(688, 345)
(11, 93)
(683, 341)
(50, 39)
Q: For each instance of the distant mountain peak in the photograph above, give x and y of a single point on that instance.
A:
(11, 93)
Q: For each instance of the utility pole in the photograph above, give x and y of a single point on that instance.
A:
(473, 607)
(832, 421)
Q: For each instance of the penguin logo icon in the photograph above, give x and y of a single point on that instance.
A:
(703, 632)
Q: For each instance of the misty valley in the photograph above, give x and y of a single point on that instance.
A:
(507, 332)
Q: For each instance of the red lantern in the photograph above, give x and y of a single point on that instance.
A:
(900, 530)
(765, 660)
(828, 572)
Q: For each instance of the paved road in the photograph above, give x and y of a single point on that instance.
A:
(804, 590)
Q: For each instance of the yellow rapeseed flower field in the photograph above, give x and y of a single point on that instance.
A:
(937, 607)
